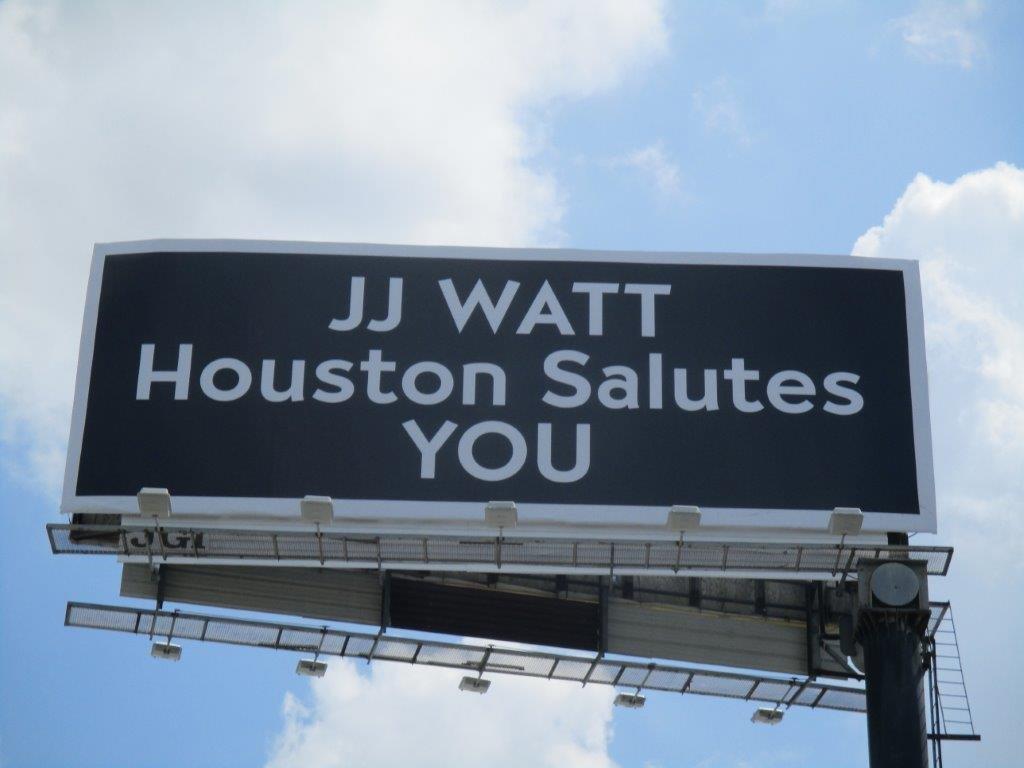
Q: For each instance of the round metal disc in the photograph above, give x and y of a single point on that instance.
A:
(895, 584)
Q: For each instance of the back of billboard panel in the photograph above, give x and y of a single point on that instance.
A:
(412, 385)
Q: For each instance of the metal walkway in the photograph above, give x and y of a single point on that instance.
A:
(507, 553)
(474, 659)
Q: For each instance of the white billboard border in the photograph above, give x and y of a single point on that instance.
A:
(560, 520)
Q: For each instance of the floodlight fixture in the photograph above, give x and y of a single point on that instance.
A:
(311, 668)
(477, 684)
(501, 514)
(474, 685)
(630, 700)
(317, 509)
(683, 518)
(314, 667)
(845, 521)
(154, 502)
(167, 651)
(767, 716)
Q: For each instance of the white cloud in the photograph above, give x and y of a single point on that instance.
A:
(654, 164)
(402, 716)
(943, 31)
(969, 236)
(314, 120)
(720, 109)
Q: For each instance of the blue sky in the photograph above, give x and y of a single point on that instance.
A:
(891, 129)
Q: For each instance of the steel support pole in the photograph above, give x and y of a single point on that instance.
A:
(894, 675)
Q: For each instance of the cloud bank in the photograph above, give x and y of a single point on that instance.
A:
(315, 120)
(397, 716)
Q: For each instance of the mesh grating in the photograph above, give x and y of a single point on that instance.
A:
(775, 691)
(633, 676)
(335, 642)
(666, 680)
(710, 684)
(190, 544)
(512, 663)
(850, 701)
(300, 638)
(394, 650)
(808, 696)
(605, 672)
(572, 669)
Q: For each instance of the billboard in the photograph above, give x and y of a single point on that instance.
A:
(414, 384)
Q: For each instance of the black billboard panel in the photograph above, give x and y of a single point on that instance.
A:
(415, 384)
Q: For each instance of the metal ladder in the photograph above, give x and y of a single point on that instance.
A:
(949, 706)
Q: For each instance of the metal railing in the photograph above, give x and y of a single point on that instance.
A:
(182, 545)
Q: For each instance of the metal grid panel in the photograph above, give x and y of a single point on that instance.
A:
(850, 701)
(357, 646)
(667, 679)
(605, 672)
(214, 540)
(450, 655)
(101, 617)
(634, 676)
(451, 552)
(333, 644)
(513, 663)
(775, 691)
(584, 670)
(311, 639)
(807, 697)
(551, 551)
(254, 634)
(288, 546)
(710, 684)
(394, 649)
(570, 668)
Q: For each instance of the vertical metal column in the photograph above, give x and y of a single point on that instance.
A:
(894, 673)
(893, 617)
(936, 706)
